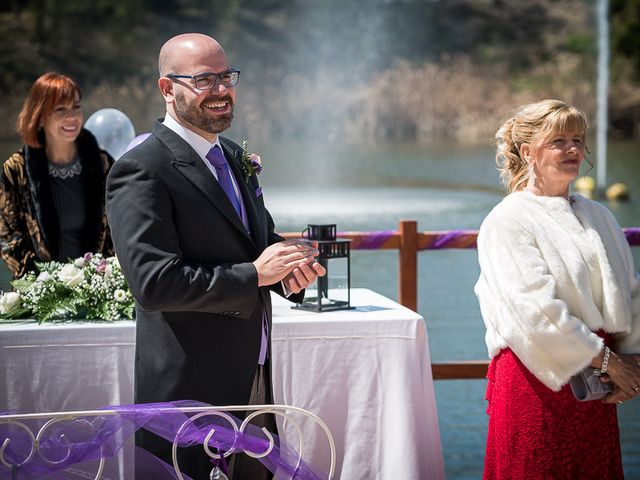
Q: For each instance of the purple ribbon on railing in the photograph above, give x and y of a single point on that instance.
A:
(373, 241)
(67, 443)
(436, 240)
(447, 238)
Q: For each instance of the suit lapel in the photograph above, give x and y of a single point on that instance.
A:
(247, 190)
(191, 166)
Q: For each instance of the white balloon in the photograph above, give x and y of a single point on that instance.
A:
(112, 129)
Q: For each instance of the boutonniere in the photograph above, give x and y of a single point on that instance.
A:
(251, 163)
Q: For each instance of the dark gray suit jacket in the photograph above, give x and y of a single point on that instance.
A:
(187, 258)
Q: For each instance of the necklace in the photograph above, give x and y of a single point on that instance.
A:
(71, 169)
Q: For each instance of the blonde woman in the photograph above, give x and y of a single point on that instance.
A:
(558, 292)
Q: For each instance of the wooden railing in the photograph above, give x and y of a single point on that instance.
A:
(408, 241)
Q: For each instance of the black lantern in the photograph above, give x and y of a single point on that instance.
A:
(331, 292)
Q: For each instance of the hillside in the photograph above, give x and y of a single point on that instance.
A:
(384, 69)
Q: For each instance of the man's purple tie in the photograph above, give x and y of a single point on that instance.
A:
(216, 158)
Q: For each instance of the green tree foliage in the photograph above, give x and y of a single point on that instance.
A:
(116, 39)
(95, 41)
(625, 38)
(111, 46)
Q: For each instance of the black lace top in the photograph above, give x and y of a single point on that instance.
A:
(67, 190)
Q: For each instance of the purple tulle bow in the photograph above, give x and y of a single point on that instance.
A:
(65, 444)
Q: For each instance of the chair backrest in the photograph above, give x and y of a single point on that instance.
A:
(31, 452)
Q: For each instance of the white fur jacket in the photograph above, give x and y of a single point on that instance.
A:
(553, 271)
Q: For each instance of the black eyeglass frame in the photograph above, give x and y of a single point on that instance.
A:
(217, 78)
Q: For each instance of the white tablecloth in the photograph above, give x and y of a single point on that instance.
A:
(69, 366)
(365, 372)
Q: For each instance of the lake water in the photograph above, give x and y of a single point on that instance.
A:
(442, 187)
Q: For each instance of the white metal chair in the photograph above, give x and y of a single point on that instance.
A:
(290, 415)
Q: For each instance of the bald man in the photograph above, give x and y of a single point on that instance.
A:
(198, 249)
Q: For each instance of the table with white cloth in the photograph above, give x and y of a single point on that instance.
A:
(57, 367)
(366, 372)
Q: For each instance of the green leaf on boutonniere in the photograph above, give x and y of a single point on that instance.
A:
(251, 163)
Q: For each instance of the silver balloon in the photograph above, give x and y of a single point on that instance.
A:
(112, 129)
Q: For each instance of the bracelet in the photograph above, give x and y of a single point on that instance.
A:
(605, 363)
(605, 360)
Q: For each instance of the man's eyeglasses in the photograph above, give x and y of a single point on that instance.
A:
(208, 80)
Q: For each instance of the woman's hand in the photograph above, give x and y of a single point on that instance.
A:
(624, 372)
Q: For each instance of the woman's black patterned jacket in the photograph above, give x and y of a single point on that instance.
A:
(29, 227)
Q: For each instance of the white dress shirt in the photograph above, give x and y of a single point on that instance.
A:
(200, 144)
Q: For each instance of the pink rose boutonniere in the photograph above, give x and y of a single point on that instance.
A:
(251, 163)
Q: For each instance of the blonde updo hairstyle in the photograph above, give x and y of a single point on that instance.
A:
(530, 124)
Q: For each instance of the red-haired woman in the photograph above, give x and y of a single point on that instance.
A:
(52, 189)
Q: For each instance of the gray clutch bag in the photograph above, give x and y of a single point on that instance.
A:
(586, 386)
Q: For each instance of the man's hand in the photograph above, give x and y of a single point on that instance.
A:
(303, 276)
(280, 259)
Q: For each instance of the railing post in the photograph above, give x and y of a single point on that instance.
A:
(408, 264)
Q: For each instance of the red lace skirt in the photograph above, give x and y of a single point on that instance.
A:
(536, 433)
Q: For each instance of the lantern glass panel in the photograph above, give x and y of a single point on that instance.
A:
(332, 287)
(330, 292)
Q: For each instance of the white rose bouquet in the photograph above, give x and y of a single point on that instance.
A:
(90, 287)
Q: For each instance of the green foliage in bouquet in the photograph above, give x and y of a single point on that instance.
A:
(90, 287)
